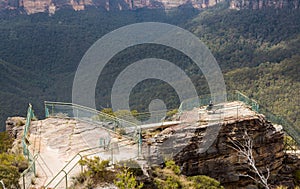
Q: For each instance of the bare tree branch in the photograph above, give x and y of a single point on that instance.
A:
(244, 147)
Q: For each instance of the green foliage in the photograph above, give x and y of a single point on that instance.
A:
(20, 123)
(95, 172)
(95, 167)
(290, 143)
(126, 115)
(11, 166)
(204, 182)
(297, 176)
(247, 37)
(171, 165)
(126, 180)
(132, 167)
(172, 113)
(169, 177)
(121, 131)
(281, 187)
(169, 183)
(108, 111)
(274, 86)
(5, 142)
(9, 175)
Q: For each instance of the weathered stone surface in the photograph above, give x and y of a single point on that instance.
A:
(14, 126)
(259, 4)
(222, 162)
(50, 6)
(226, 164)
(15, 129)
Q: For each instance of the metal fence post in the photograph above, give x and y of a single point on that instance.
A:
(24, 181)
(66, 175)
(140, 143)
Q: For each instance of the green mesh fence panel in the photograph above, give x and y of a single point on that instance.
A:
(69, 110)
(29, 173)
(189, 104)
(288, 127)
(250, 102)
(63, 179)
(204, 100)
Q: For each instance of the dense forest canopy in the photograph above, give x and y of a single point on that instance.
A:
(257, 50)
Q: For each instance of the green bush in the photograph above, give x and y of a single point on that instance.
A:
(126, 180)
(5, 142)
(169, 177)
(172, 112)
(96, 172)
(297, 176)
(11, 166)
(108, 111)
(289, 143)
(169, 183)
(204, 182)
(132, 166)
(171, 165)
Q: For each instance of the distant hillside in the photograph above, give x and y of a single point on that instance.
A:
(18, 88)
(259, 53)
(276, 86)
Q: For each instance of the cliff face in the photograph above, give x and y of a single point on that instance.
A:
(220, 160)
(50, 6)
(259, 4)
(225, 164)
(35, 6)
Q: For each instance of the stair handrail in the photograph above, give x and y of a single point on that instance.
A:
(81, 156)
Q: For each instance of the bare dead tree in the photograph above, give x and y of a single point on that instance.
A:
(244, 147)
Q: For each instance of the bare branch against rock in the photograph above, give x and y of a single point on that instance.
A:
(244, 147)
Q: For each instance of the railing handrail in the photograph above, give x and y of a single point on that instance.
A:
(30, 166)
(81, 156)
(91, 110)
(288, 127)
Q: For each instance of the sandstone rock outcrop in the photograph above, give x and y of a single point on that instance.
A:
(14, 126)
(15, 129)
(259, 4)
(225, 164)
(220, 160)
(50, 6)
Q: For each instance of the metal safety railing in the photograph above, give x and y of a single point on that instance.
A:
(113, 124)
(204, 100)
(291, 129)
(61, 179)
(128, 130)
(30, 172)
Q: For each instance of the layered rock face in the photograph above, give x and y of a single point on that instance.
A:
(50, 6)
(259, 4)
(14, 126)
(224, 163)
(184, 144)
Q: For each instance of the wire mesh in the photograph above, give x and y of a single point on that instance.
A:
(114, 152)
(98, 118)
(288, 127)
(29, 173)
